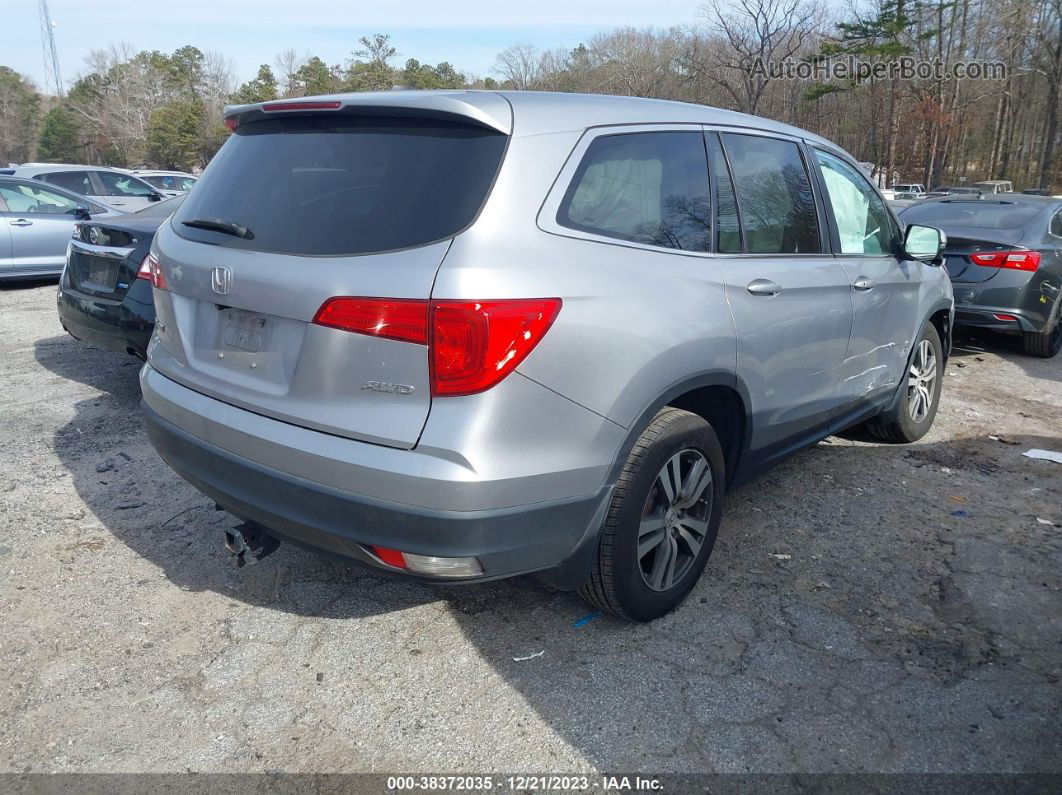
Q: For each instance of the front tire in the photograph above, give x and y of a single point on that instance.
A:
(918, 406)
(663, 519)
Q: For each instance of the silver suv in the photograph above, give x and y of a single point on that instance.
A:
(465, 335)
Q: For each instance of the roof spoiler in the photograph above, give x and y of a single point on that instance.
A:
(483, 109)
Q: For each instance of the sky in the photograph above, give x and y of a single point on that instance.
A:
(468, 34)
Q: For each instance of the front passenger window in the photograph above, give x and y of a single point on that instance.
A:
(647, 188)
(862, 220)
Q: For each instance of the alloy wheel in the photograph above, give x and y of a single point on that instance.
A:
(675, 519)
(921, 381)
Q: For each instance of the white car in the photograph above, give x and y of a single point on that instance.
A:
(110, 186)
(170, 183)
(909, 190)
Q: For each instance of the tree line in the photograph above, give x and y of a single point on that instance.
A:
(133, 108)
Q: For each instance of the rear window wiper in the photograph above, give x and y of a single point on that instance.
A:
(221, 225)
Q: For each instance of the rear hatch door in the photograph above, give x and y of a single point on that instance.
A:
(320, 205)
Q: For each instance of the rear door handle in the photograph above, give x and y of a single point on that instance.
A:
(22, 222)
(863, 283)
(763, 287)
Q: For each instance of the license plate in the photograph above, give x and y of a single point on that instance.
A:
(245, 331)
(99, 272)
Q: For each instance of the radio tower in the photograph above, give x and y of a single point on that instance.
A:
(51, 55)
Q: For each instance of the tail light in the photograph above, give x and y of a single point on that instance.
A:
(151, 270)
(472, 345)
(1015, 260)
(399, 319)
(144, 271)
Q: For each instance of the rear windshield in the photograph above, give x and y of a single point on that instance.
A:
(983, 214)
(332, 186)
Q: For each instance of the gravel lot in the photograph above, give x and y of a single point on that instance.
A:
(868, 608)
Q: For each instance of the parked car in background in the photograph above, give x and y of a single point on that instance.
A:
(110, 186)
(470, 335)
(169, 183)
(104, 295)
(990, 186)
(1004, 257)
(36, 221)
(909, 190)
(955, 190)
(898, 205)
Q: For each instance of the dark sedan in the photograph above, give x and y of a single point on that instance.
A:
(1004, 257)
(105, 291)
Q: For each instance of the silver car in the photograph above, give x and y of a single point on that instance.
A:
(168, 183)
(36, 223)
(470, 335)
(111, 186)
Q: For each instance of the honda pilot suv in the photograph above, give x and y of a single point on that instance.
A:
(458, 336)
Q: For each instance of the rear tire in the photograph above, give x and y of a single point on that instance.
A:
(918, 405)
(1046, 343)
(663, 519)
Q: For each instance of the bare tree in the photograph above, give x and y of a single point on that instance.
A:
(1048, 61)
(520, 65)
(118, 95)
(637, 62)
(288, 63)
(747, 35)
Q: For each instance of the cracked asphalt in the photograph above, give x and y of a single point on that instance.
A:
(868, 608)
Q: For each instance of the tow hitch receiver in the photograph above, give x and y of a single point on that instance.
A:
(249, 544)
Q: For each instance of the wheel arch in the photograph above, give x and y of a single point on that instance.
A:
(719, 397)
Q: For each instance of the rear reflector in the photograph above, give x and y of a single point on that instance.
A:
(392, 557)
(472, 345)
(1015, 260)
(429, 564)
(1005, 318)
(273, 107)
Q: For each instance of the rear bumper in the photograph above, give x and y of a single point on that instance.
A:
(985, 318)
(117, 325)
(1029, 297)
(508, 541)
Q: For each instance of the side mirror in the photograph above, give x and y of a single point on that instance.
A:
(154, 197)
(82, 214)
(924, 243)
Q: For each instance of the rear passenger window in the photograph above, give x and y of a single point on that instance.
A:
(1056, 224)
(728, 231)
(775, 202)
(862, 220)
(647, 188)
(77, 181)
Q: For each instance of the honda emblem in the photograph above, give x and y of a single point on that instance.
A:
(221, 280)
